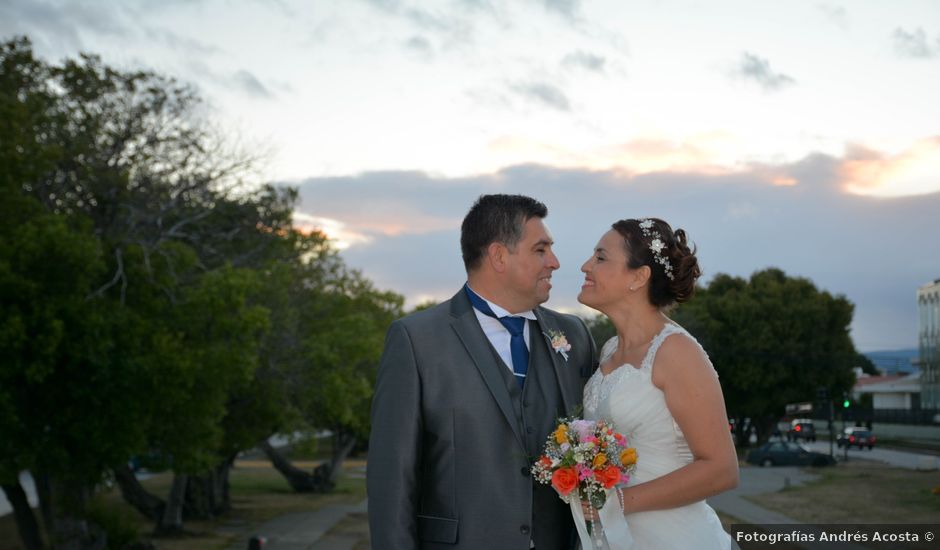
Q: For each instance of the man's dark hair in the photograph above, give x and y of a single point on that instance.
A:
(496, 219)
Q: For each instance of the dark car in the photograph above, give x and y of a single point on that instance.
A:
(802, 429)
(782, 453)
(862, 437)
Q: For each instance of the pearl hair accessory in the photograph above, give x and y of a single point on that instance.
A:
(656, 245)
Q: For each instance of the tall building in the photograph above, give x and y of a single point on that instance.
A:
(928, 304)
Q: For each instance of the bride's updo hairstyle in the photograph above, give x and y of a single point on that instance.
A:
(652, 242)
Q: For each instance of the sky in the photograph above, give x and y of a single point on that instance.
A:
(802, 135)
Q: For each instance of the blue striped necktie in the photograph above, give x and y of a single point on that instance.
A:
(516, 328)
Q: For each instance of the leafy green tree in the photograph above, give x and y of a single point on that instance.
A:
(774, 340)
(155, 302)
(124, 218)
(333, 324)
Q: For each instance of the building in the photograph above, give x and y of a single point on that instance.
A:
(893, 391)
(928, 305)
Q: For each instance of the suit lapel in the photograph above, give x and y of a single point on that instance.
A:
(468, 329)
(562, 367)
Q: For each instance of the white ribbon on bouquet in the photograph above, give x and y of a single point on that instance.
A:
(610, 521)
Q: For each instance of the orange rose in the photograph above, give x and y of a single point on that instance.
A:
(628, 457)
(608, 477)
(561, 434)
(599, 460)
(565, 480)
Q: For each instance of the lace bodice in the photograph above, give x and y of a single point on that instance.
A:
(628, 398)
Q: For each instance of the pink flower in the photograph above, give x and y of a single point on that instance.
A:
(624, 478)
(590, 439)
(583, 428)
(584, 472)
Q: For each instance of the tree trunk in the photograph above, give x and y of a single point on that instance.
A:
(299, 480)
(134, 494)
(207, 494)
(45, 499)
(343, 444)
(26, 522)
(324, 476)
(63, 503)
(171, 522)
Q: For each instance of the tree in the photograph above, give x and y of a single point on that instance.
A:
(155, 302)
(774, 340)
(119, 300)
(329, 332)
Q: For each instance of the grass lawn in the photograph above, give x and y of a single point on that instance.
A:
(259, 493)
(860, 492)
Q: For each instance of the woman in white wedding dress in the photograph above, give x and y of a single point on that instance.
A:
(656, 384)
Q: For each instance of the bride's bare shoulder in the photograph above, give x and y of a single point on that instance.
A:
(681, 356)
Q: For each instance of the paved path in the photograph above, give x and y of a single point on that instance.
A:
(312, 530)
(307, 530)
(756, 481)
(911, 460)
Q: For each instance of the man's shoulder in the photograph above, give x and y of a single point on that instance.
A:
(426, 317)
(564, 320)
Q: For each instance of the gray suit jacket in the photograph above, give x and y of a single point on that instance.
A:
(449, 455)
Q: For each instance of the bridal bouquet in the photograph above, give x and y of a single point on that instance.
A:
(583, 459)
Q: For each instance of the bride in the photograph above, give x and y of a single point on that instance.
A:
(656, 384)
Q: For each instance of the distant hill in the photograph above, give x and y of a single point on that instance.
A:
(899, 361)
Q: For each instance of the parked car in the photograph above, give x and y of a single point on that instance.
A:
(802, 428)
(782, 453)
(862, 437)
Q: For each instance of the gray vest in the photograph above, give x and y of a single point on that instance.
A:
(537, 408)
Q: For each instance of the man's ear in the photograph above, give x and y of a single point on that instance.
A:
(496, 256)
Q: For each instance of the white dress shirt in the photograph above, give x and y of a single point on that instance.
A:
(496, 333)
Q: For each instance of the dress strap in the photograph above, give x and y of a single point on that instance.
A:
(670, 328)
(607, 351)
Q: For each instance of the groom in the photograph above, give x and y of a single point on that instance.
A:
(469, 390)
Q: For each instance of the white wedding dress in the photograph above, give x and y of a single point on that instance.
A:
(628, 398)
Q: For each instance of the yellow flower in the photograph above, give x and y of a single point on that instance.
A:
(600, 460)
(561, 434)
(628, 457)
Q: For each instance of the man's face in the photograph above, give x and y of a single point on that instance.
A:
(529, 267)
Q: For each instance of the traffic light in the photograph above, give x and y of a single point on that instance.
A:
(845, 402)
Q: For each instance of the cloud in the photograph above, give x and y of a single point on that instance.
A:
(795, 216)
(758, 69)
(568, 9)
(336, 230)
(178, 42)
(911, 171)
(250, 84)
(420, 46)
(836, 14)
(58, 29)
(543, 93)
(445, 23)
(912, 44)
(585, 60)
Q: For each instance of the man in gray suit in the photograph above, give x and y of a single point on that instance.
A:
(469, 390)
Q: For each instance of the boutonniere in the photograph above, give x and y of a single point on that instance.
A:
(559, 342)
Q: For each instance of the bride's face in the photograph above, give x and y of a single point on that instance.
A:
(606, 274)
